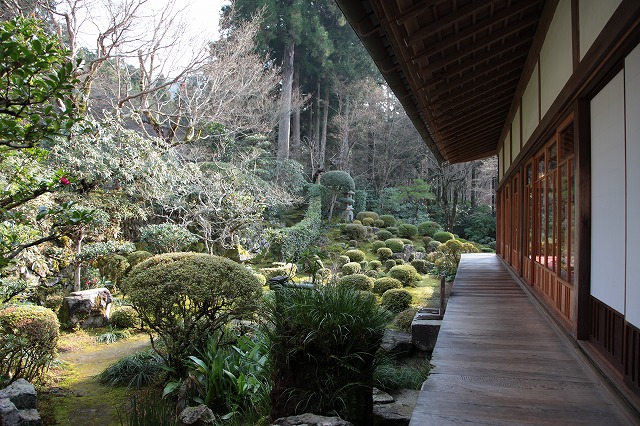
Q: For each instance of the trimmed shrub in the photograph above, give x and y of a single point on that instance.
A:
(388, 220)
(420, 265)
(385, 283)
(355, 231)
(351, 268)
(167, 237)
(279, 270)
(384, 253)
(383, 235)
(124, 317)
(406, 274)
(389, 263)
(375, 264)
(113, 267)
(367, 214)
(342, 260)
(399, 261)
(428, 228)
(185, 297)
(378, 223)
(368, 221)
(364, 265)
(357, 222)
(396, 299)
(447, 257)
(443, 236)
(404, 319)
(407, 241)
(28, 341)
(261, 279)
(426, 240)
(323, 275)
(355, 255)
(357, 282)
(395, 244)
(433, 245)
(137, 257)
(353, 243)
(372, 273)
(376, 245)
(393, 230)
(407, 230)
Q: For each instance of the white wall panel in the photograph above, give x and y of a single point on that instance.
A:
(593, 15)
(500, 164)
(507, 152)
(608, 195)
(530, 111)
(515, 135)
(556, 59)
(632, 99)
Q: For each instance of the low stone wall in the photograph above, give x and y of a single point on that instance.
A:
(18, 405)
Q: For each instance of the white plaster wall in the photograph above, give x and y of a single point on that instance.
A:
(632, 99)
(556, 59)
(592, 17)
(515, 132)
(530, 113)
(500, 164)
(507, 152)
(608, 195)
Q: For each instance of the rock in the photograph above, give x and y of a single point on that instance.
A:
(397, 343)
(88, 308)
(9, 414)
(424, 331)
(196, 416)
(397, 413)
(21, 393)
(381, 397)
(30, 417)
(311, 420)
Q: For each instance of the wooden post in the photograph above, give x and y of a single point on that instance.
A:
(443, 289)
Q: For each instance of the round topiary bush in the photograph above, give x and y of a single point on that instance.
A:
(443, 236)
(353, 243)
(261, 279)
(167, 237)
(396, 299)
(375, 264)
(404, 319)
(420, 265)
(28, 341)
(186, 297)
(113, 267)
(389, 263)
(383, 235)
(376, 245)
(355, 231)
(406, 274)
(385, 283)
(428, 228)
(367, 214)
(399, 261)
(342, 260)
(367, 221)
(125, 317)
(138, 256)
(384, 253)
(357, 282)
(351, 268)
(407, 230)
(407, 241)
(426, 240)
(433, 245)
(323, 275)
(372, 273)
(393, 230)
(355, 255)
(395, 244)
(388, 220)
(378, 223)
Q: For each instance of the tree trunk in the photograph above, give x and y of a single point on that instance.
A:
(77, 284)
(295, 138)
(343, 162)
(323, 136)
(284, 125)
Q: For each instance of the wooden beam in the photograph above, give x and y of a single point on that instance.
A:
(494, 71)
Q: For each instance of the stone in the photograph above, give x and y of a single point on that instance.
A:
(87, 308)
(9, 414)
(397, 343)
(196, 416)
(424, 332)
(21, 393)
(30, 417)
(381, 397)
(308, 419)
(397, 413)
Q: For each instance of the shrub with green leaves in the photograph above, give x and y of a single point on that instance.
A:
(384, 253)
(404, 319)
(367, 221)
(389, 263)
(355, 255)
(28, 341)
(388, 220)
(113, 267)
(167, 237)
(406, 274)
(376, 245)
(134, 371)
(138, 256)
(357, 282)
(375, 264)
(433, 245)
(385, 283)
(399, 261)
(351, 268)
(279, 269)
(396, 299)
(393, 230)
(185, 297)
(367, 215)
(124, 317)
(443, 236)
(407, 230)
(395, 244)
(420, 265)
(322, 347)
(372, 273)
(383, 235)
(428, 228)
(355, 231)
(447, 256)
(378, 223)
(342, 260)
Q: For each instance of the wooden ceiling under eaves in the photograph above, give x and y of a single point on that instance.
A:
(454, 64)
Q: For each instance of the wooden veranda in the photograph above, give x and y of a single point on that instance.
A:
(499, 360)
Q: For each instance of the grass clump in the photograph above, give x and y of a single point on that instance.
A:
(137, 370)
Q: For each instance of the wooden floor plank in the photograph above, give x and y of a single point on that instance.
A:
(497, 361)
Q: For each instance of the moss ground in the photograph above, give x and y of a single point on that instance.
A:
(72, 394)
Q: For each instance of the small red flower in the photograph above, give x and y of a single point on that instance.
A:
(64, 181)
